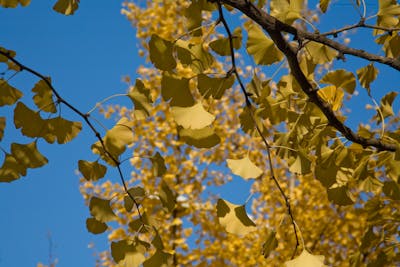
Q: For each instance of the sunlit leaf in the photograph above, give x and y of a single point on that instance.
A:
(8, 94)
(137, 193)
(261, 47)
(95, 227)
(301, 164)
(66, 7)
(92, 171)
(244, 167)
(391, 189)
(214, 87)
(101, 209)
(200, 138)
(158, 164)
(141, 98)
(167, 196)
(332, 95)
(28, 155)
(234, 218)
(367, 75)
(388, 14)
(222, 47)
(386, 107)
(2, 127)
(177, 90)
(287, 11)
(270, 243)
(159, 259)
(194, 55)
(194, 117)
(341, 79)
(161, 53)
(306, 259)
(62, 130)
(43, 97)
(128, 254)
(323, 5)
(340, 195)
(118, 137)
(11, 169)
(320, 53)
(14, 3)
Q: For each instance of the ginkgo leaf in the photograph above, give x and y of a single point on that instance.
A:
(61, 130)
(388, 14)
(301, 164)
(323, 5)
(8, 94)
(177, 90)
(234, 218)
(95, 227)
(161, 53)
(118, 137)
(340, 195)
(30, 122)
(2, 127)
(194, 55)
(158, 164)
(270, 243)
(167, 196)
(194, 18)
(98, 149)
(43, 97)
(306, 259)
(341, 79)
(320, 53)
(92, 171)
(213, 87)
(141, 98)
(222, 47)
(159, 259)
(244, 167)
(287, 11)
(157, 241)
(137, 193)
(101, 209)
(128, 254)
(66, 7)
(332, 95)
(28, 155)
(200, 138)
(14, 3)
(11, 169)
(194, 117)
(258, 88)
(391, 189)
(386, 106)
(261, 47)
(367, 75)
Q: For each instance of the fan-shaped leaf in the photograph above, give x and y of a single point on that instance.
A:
(194, 55)
(66, 7)
(340, 195)
(341, 79)
(8, 94)
(320, 53)
(159, 168)
(306, 259)
(177, 90)
(43, 98)
(195, 117)
(28, 155)
(101, 209)
(159, 259)
(14, 3)
(11, 169)
(141, 98)
(332, 95)
(92, 171)
(128, 254)
(117, 138)
(214, 87)
(95, 227)
(62, 130)
(222, 47)
(137, 193)
(30, 122)
(200, 138)
(367, 75)
(244, 167)
(161, 53)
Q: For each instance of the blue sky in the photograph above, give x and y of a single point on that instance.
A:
(86, 55)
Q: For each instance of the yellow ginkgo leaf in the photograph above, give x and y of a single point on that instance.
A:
(234, 218)
(101, 209)
(195, 117)
(244, 167)
(332, 95)
(320, 53)
(200, 138)
(119, 137)
(66, 7)
(306, 260)
(8, 94)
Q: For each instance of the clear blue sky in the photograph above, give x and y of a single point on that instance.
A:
(86, 55)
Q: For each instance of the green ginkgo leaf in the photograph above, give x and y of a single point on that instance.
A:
(222, 47)
(101, 210)
(341, 79)
(161, 53)
(234, 218)
(92, 171)
(95, 227)
(213, 87)
(14, 3)
(118, 137)
(66, 7)
(28, 155)
(320, 53)
(177, 90)
(11, 169)
(141, 98)
(261, 47)
(194, 55)
(194, 117)
(306, 259)
(2, 127)
(244, 167)
(8, 94)
(200, 138)
(43, 97)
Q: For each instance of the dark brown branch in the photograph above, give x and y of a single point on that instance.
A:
(275, 28)
(233, 70)
(84, 116)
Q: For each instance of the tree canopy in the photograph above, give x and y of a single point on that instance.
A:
(267, 91)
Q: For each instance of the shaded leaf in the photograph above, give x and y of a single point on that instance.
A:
(28, 155)
(386, 105)
(30, 122)
(340, 195)
(194, 117)
(367, 75)
(137, 193)
(158, 162)
(43, 97)
(177, 90)
(128, 254)
(62, 130)
(301, 164)
(193, 55)
(234, 218)
(92, 171)
(222, 47)
(8, 94)
(95, 227)
(157, 241)
(261, 47)
(306, 259)
(159, 259)
(161, 53)
(14, 3)
(2, 127)
(141, 98)
(118, 137)
(244, 167)
(320, 53)
(213, 87)
(101, 209)
(341, 79)
(323, 5)
(11, 169)
(391, 189)
(200, 138)
(66, 7)
(167, 197)
(270, 243)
